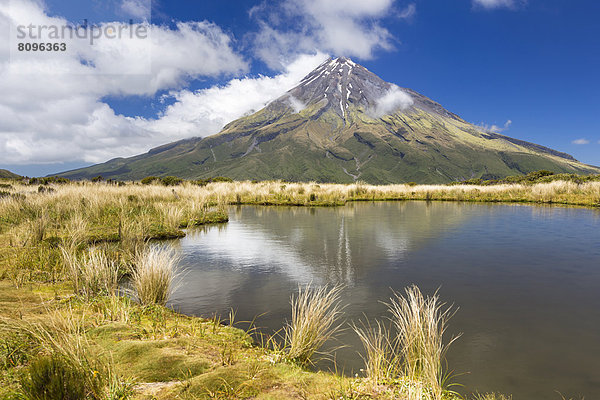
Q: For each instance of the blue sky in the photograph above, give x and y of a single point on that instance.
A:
(529, 68)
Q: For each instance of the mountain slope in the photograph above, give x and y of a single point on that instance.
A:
(6, 174)
(343, 123)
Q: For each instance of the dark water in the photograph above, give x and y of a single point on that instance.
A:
(526, 279)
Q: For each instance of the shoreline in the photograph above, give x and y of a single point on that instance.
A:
(152, 347)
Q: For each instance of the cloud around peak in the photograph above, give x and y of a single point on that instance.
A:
(393, 100)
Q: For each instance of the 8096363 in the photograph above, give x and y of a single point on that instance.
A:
(42, 46)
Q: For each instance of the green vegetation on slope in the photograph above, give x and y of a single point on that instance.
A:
(337, 138)
(359, 152)
(5, 174)
(542, 176)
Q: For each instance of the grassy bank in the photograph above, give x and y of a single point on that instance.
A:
(67, 332)
(150, 352)
(65, 246)
(303, 194)
(185, 203)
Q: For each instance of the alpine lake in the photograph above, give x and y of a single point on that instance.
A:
(525, 281)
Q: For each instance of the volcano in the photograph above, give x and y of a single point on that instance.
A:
(344, 124)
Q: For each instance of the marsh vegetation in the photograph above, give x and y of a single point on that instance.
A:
(69, 331)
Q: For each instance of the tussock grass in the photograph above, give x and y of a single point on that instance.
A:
(311, 193)
(39, 226)
(315, 319)
(156, 347)
(109, 212)
(420, 324)
(408, 358)
(112, 308)
(93, 273)
(154, 274)
(172, 216)
(382, 363)
(414, 350)
(75, 230)
(61, 338)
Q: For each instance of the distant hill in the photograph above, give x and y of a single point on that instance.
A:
(343, 123)
(6, 174)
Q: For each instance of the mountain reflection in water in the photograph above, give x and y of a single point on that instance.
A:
(525, 278)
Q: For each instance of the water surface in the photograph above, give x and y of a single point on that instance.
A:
(526, 279)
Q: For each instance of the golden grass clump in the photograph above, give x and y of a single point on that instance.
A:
(93, 273)
(381, 358)
(154, 274)
(62, 352)
(420, 324)
(315, 320)
(172, 215)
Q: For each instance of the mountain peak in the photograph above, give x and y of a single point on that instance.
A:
(342, 61)
(343, 123)
(339, 84)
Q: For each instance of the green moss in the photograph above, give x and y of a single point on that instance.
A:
(158, 361)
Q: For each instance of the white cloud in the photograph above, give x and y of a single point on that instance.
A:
(137, 8)
(409, 12)
(395, 99)
(56, 110)
(494, 4)
(350, 28)
(206, 111)
(496, 128)
(296, 104)
(581, 141)
(52, 108)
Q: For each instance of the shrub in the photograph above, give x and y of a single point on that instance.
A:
(116, 183)
(171, 181)
(44, 189)
(535, 175)
(98, 178)
(221, 179)
(15, 349)
(59, 179)
(52, 378)
(204, 182)
(48, 180)
(149, 180)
